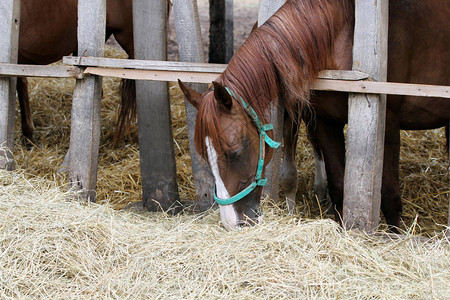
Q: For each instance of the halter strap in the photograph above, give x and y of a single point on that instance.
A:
(263, 139)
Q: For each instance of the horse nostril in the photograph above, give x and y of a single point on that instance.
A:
(240, 223)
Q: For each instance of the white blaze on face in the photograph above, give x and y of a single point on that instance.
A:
(228, 214)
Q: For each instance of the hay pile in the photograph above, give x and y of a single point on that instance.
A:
(54, 249)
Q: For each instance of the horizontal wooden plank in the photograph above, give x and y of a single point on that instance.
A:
(342, 75)
(388, 88)
(348, 80)
(153, 75)
(367, 87)
(177, 66)
(13, 70)
(8, 70)
(143, 64)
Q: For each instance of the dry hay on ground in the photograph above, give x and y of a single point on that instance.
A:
(424, 168)
(54, 249)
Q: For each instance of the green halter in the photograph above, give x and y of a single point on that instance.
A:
(263, 138)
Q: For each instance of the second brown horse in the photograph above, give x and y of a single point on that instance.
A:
(48, 31)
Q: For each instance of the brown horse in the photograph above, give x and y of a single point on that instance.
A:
(48, 31)
(279, 61)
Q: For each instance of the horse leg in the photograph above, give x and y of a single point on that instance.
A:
(320, 176)
(330, 139)
(288, 170)
(391, 204)
(25, 108)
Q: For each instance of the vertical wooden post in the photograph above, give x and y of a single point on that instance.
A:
(366, 119)
(229, 29)
(9, 43)
(221, 31)
(85, 123)
(157, 154)
(190, 48)
(266, 9)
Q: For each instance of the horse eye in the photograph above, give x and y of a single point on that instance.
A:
(233, 156)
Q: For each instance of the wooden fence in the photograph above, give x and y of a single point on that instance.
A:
(361, 196)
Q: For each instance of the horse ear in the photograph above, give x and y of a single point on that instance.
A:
(222, 96)
(191, 95)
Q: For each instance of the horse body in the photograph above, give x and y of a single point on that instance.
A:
(47, 23)
(281, 59)
(48, 31)
(418, 52)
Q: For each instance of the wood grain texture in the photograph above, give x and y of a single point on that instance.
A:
(387, 88)
(266, 9)
(190, 45)
(221, 30)
(188, 66)
(366, 122)
(9, 27)
(329, 80)
(157, 154)
(15, 70)
(85, 122)
(148, 64)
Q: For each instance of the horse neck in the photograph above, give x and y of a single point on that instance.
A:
(282, 58)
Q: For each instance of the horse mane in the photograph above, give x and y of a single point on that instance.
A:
(280, 59)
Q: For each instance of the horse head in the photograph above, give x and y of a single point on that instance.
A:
(233, 141)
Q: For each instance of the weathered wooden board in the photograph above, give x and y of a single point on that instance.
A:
(266, 9)
(348, 82)
(387, 88)
(229, 30)
(85, 122)
(190, 45)
(157, 154)
(367, 113)
(329, 80)
(179, 66)
(144, 64)
(221, 31)
(9, 27)
(7, 70)
(153, 75)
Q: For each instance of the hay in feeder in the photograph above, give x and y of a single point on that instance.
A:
(54, 249)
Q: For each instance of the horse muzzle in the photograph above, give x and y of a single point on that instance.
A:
(246, 212)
